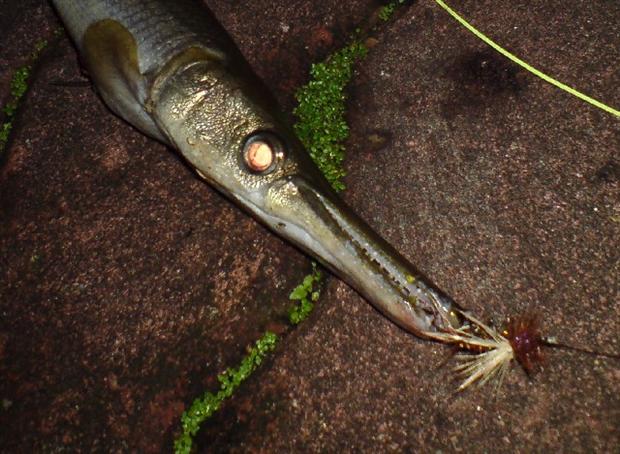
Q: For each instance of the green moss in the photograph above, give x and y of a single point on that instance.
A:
(307, 293)
(386, 12)
(19, 86)
(321, 125)
(203, 407)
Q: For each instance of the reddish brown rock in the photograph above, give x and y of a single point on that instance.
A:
(126, 284)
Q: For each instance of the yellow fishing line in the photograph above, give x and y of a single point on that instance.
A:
(525, 65)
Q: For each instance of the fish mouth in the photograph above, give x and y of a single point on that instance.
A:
(312, 216)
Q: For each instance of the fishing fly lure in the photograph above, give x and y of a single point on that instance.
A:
(486, 353)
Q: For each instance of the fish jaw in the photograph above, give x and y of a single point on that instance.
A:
(313, 217)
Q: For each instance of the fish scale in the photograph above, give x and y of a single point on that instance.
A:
(161, 29)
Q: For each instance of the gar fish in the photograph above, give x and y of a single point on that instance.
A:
(170, 70)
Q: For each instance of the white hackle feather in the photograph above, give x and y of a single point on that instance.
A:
(494, 358)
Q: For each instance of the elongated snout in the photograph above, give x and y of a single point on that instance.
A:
(312, 216)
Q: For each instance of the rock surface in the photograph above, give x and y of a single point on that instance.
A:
(126, 284)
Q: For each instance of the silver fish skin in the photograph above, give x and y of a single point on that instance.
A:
(170, 70)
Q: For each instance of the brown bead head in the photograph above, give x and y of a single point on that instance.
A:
(523, 333)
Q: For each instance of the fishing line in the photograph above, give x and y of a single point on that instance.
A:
(525, 65)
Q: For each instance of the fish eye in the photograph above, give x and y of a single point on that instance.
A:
(262, 151)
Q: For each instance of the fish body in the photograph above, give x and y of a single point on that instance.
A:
(169, 69)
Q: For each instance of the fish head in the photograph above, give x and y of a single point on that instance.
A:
(234, 138)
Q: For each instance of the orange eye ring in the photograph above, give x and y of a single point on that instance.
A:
(261, 152)
(259, 155)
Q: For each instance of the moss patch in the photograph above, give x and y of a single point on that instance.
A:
(203, 407)
(386, 12)
(306, 294)
(322, 126)
(19, 86)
